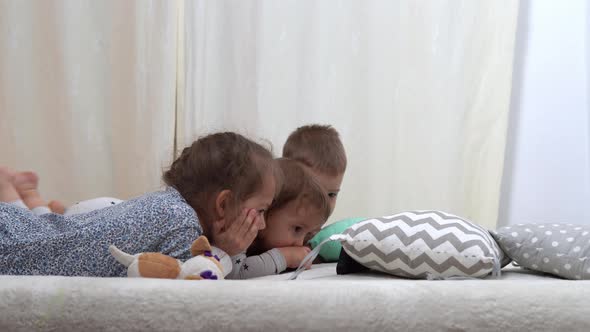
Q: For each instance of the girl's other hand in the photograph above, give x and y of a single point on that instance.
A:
(240, 234)
(294, 256)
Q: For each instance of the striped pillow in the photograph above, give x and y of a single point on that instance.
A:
(423, 244)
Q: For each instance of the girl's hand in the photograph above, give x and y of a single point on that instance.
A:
(294, 256)
(240, 234)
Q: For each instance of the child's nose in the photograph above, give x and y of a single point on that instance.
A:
(298, 242)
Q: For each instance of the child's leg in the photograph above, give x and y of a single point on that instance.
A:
(26, 184)
(8, 193)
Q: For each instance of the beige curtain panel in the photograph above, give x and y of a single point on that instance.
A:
(419, 91)
(87, 94)
(95, 95)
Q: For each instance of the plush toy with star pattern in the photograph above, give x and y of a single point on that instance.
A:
(208, 263)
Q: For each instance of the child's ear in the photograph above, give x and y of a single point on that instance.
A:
(222, 202)
(200, 245)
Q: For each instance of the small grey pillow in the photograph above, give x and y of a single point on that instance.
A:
(559, 249)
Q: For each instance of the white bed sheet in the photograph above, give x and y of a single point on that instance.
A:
(319, 301)
(328, 272)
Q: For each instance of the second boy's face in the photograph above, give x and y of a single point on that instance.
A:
(288, 228)
(331, 185)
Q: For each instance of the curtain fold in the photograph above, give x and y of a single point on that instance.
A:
(96, 96)
(419, 91)
(87, 94)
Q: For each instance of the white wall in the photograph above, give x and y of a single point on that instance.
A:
(547, 170)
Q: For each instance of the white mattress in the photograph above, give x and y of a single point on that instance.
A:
(319, 301)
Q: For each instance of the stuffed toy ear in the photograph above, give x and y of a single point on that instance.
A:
(200, 246)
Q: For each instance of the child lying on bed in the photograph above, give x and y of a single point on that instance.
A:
(317, 168)
(312, 175)
(220, 186)
(299, 210)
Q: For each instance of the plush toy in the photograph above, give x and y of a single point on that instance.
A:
(208, 263)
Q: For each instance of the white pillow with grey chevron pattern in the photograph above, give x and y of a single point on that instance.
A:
(423, 244)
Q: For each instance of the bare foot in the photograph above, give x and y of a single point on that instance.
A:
(8, 192)
(27, 184)
(57, 207)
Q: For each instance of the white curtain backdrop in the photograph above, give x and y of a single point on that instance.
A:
(95, 96)
(419, 91)
(87, 93)
(547, 174)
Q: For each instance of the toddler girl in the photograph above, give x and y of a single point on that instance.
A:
(220, 186)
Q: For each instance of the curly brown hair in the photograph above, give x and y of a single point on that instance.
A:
(217, 162)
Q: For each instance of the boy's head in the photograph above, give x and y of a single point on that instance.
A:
(298, 212)
(319, 149)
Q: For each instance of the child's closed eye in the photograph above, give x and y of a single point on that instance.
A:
(332, 195)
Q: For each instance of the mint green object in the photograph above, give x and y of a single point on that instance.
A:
(331, 250)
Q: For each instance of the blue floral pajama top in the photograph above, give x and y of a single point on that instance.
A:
(77, 245)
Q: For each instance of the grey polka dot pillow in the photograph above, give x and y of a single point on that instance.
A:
(423, 244)
(559, 249)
